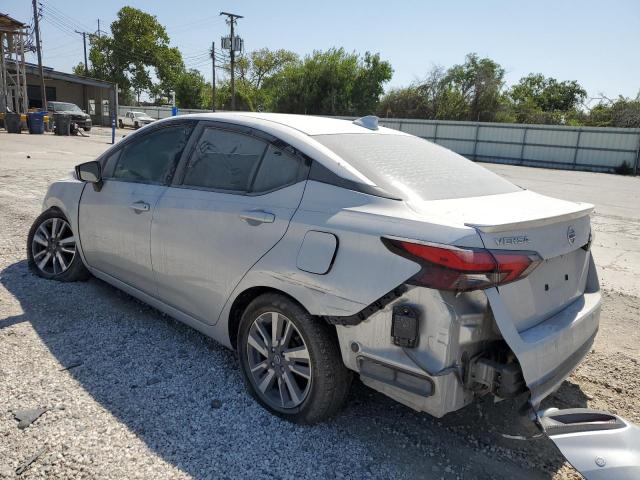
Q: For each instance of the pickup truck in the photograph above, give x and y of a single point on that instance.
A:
(134, 120)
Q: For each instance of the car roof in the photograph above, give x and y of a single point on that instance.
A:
(307, 124)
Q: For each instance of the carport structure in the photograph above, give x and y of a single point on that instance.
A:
(97, 97)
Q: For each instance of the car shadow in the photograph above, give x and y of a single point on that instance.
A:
(182, 395)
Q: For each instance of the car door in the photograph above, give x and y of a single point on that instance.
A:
(115, 221)
(234, 201)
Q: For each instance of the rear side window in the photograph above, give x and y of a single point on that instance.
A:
(410, 167)
(278, 169)
(154, 157)
(224, 160)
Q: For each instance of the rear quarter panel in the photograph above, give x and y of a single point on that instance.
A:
(363, 269)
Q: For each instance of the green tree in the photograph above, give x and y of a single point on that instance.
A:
(190, 89)
(472, 90)
(331, 83)
(469, 91)
(539, 99)
(622, 112)
(137, 55)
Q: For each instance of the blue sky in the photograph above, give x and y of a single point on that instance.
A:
(594, 42)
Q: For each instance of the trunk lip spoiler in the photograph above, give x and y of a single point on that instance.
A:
(536, 222)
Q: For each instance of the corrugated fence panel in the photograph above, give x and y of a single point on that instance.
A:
(462, 132)
(497, 134)
(463, 147)
(488, 151)
(554, 137)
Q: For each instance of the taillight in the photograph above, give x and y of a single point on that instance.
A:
(462, 268)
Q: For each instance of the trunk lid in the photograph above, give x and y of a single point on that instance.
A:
(554, 229)
(549, 318)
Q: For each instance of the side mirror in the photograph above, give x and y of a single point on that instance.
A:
(90, 172)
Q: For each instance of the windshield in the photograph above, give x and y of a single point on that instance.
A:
(64, 107)
(413, 168)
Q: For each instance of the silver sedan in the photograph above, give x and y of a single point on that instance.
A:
(319, 248)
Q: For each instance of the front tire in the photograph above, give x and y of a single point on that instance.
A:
(291, 361)
(52, 251)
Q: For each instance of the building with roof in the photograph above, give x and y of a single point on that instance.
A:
(20, 86)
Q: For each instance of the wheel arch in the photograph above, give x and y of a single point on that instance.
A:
(242, 301)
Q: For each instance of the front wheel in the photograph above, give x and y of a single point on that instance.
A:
(291, 361)
(87, 129)
(51, 249)
(120, 124)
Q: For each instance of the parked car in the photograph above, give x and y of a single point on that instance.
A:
(319, 248)
(78, 116)
(134, 120)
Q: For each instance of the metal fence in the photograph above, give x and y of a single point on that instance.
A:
(156, 112)
(573, 148)
(569, 148)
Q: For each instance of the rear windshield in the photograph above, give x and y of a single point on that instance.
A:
(413, 168)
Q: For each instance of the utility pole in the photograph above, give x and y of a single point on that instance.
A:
(36, 26)
(84, 43)
(213, 76)
(233, 43)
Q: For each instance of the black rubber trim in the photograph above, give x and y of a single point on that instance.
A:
(385, 373)
(322, 174)
(366, 312)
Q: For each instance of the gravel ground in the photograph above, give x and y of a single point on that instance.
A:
(131, 393)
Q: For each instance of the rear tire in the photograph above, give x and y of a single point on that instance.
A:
(52, 251)
(301, 376)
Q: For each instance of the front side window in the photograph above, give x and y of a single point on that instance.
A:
(154, 157)
(224, 160)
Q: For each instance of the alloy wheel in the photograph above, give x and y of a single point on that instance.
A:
(279, 363)
(53, 246)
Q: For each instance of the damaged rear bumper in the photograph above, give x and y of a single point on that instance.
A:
(550, 351)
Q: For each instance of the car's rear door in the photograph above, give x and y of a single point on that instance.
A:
(115, 221)
(233, 202)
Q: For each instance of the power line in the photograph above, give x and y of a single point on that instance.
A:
(63, 15)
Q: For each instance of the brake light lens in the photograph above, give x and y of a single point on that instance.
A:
(464, 269)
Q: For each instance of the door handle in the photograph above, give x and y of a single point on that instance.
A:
(140, 207)
(256, 217)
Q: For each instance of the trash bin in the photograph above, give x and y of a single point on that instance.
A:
(62, 123)
(12, 122)
(35, 121)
